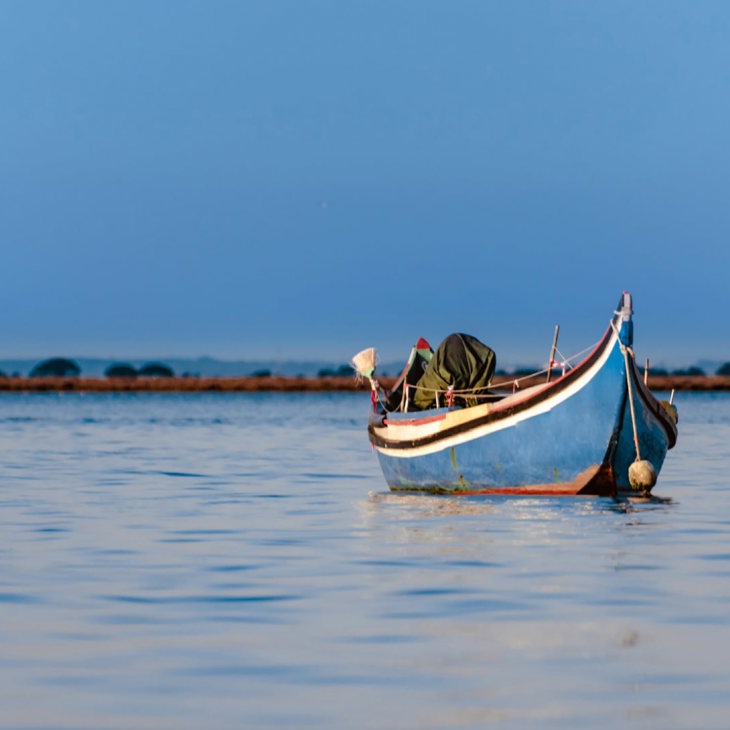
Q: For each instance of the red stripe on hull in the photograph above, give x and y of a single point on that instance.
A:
(597, 481)
(538, 490)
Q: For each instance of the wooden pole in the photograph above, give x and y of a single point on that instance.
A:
(552, 352)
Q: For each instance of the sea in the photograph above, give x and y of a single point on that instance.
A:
(196, 561)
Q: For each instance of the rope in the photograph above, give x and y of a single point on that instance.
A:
(450, 393)
(375, 394)
(625, 351)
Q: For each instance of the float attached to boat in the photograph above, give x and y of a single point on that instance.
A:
(596, 429)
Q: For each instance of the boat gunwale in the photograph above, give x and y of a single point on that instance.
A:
(499, 410)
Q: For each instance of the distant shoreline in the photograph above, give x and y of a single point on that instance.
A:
(275, 383)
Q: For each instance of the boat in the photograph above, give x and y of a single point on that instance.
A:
(594, 428)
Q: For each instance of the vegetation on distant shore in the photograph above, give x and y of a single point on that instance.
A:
(56, 367)
(121, 370)
(274, 383)
(56, 374)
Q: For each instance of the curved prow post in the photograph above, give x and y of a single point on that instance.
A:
(624, 314)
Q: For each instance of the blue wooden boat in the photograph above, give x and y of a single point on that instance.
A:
(596, 430)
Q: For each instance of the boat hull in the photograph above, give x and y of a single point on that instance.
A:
(572, 436)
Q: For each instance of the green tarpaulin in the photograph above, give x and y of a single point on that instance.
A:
(461, 361)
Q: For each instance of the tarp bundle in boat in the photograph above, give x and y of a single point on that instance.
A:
(461, 361)
(419, 358)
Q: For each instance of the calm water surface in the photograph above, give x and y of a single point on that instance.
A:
(235, 561)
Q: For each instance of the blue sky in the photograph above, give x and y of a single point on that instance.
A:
(306, 178)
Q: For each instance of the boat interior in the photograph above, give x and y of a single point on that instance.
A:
(399, 398)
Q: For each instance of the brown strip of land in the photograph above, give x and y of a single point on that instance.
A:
(252, 384)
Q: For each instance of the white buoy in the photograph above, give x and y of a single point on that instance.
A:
(642, 475)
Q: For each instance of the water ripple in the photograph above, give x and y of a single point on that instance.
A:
(176, 561)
